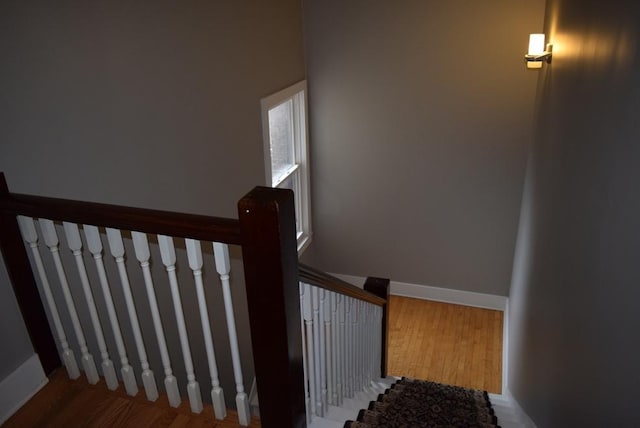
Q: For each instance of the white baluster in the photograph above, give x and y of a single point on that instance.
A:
(323, 360)
(141, 247)
(361, 338)
(334, 348)
(358, 346)
(378, 336)
(368, 340)
(50, 237)
(194, 254)
(307, 312)
(341, 349)
(327, 347)
(116, 247)
(75, 245)
(315, 302)
(28, 229)
(168, 254)
(375, 333)
(307, 402)
(223, 266)
(367, 344)
(347, 347)
(94, 244)
(351, 343)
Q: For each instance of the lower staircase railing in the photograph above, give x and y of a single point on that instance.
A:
(344, 334)
(315, 339)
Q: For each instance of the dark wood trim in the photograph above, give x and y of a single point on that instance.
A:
(270, 258)
(24, 286)
(380, 287)
(324, 280)
(192, 226)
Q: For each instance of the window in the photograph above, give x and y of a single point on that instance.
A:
(284, 126)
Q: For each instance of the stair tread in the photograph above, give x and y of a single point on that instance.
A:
(319, 422)
(341, 414)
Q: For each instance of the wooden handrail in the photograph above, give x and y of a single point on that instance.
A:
(328, 282)
(192, 226)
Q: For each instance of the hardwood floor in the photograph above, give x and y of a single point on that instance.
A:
(445, 343)
(68, 403)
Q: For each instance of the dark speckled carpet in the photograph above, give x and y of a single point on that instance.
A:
(411, 403)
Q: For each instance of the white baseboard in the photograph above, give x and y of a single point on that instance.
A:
(505, 347)
(17, 388)
(446, 295)
(522, 416)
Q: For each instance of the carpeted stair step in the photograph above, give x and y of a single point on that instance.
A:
(361, 399)
(336, 416)
(416, 403)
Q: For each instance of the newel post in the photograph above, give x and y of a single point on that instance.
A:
(380, 287)
(269, 251)
(24, 284)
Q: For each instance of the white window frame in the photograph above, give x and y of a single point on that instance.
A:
(296, 93)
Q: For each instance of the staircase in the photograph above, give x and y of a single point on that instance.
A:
(319, 344)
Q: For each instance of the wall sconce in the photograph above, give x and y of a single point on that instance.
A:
(537, 52)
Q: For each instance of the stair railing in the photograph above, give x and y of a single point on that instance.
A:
(275, 288)
(64, 225)
(344, 337)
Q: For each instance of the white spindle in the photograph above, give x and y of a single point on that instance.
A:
(223, 267)
(28, 229)
(352, 347)
(116, 247)
(307, 312)
(323, 360)
(141, 247)
(378, 336)
(307, 402)
(347, 347)
(50, 237)
(194, 254)
(315, 302)
(367, 345)
(94, 244)
(75, 245)
(168, 255)
(334, 348)
(358, 344)
(327, 347)
(341, 349)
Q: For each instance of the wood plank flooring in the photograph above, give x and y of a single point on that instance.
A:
(75, 403)
(446, 343)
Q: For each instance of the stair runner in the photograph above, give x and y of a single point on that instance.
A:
(418, 403)
(408, 403)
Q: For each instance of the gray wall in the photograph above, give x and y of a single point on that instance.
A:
(574, 306)
(147, 103)
(421, 112)
(12, 330)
